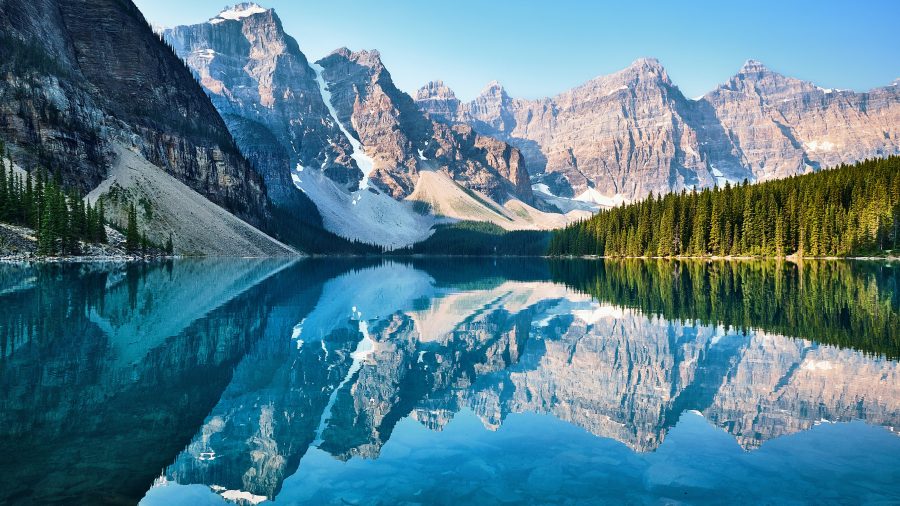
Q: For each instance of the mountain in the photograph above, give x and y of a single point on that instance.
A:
(621, 136)
(342, 133)
(88, 91)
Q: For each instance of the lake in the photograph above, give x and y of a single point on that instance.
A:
(450, 381)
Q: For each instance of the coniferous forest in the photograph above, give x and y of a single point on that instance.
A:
(61, 219)
(848, 210)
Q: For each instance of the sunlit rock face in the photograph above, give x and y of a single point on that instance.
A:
(266, 91)
(633, 132)
(286, 112)
(368, 355)
(99, 77)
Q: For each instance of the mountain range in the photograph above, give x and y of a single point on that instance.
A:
(622, 136)
(246, 147)
(377, 167)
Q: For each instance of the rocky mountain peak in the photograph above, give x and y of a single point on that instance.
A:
(651, 64)
(366, 57)
(752, 67)
(754, 77)
(644, 69)
(439, 101)
(493, 89)
(435, 90)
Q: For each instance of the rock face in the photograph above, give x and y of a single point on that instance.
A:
(267, 93)
(634, 132)
(342, 117)
(82, 75)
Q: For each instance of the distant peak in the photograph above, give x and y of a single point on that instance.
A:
(753, 67)
(650, 63)
(435, 89)
(362, 56)
(238, 12)
(643, 68)
(493, 88)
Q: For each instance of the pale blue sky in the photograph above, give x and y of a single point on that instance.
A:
(540, 48)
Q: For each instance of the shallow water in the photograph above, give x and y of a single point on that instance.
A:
(450, 382)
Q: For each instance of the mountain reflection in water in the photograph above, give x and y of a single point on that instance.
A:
(449, 381)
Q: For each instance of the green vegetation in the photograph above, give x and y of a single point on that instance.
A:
(474, 238)
(848, 304)
(61, 219)
(850, 210)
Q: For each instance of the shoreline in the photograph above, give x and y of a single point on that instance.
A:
(12, 259)
(790, 258)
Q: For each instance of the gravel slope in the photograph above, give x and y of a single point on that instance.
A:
(166, 205)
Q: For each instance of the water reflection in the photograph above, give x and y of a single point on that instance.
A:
(438, 382)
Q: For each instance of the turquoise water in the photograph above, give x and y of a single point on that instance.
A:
(450, 382)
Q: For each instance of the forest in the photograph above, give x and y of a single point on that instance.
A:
(844, 211)
(475, 238)
(847, 304)
(61, 219)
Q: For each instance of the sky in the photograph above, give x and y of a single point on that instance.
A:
(541, 48)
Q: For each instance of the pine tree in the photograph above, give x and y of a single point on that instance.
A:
(842, 211)
(779, 236)
(132, 237)
(101, 223)
(715, 243)
(4, 197)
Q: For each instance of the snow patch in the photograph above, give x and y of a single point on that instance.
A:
(819, 146)
(363, 351)
(566, 205)
(240, 495)
(365, 216)
(718, 175)
(207, 54)
(363, 161)
(239, 11)
(817, 365)
(592, 195)
(601, 312)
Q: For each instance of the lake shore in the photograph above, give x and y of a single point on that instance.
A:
(790, 258)
(20, 244)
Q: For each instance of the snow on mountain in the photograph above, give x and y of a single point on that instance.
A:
(365, 215)
(594, 196)
(342, 133)
(363, 161)
(634, 132)
(239, 11)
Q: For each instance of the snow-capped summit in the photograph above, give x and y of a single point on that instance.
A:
(239, 11)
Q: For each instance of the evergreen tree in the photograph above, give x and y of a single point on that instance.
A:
(132, 237)
(842, 211)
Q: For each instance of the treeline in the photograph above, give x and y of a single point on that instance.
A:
(852, 305)
(475, 238)
(61, 219)
(849, 210)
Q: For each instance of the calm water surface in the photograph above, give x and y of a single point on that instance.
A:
(450, 382)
